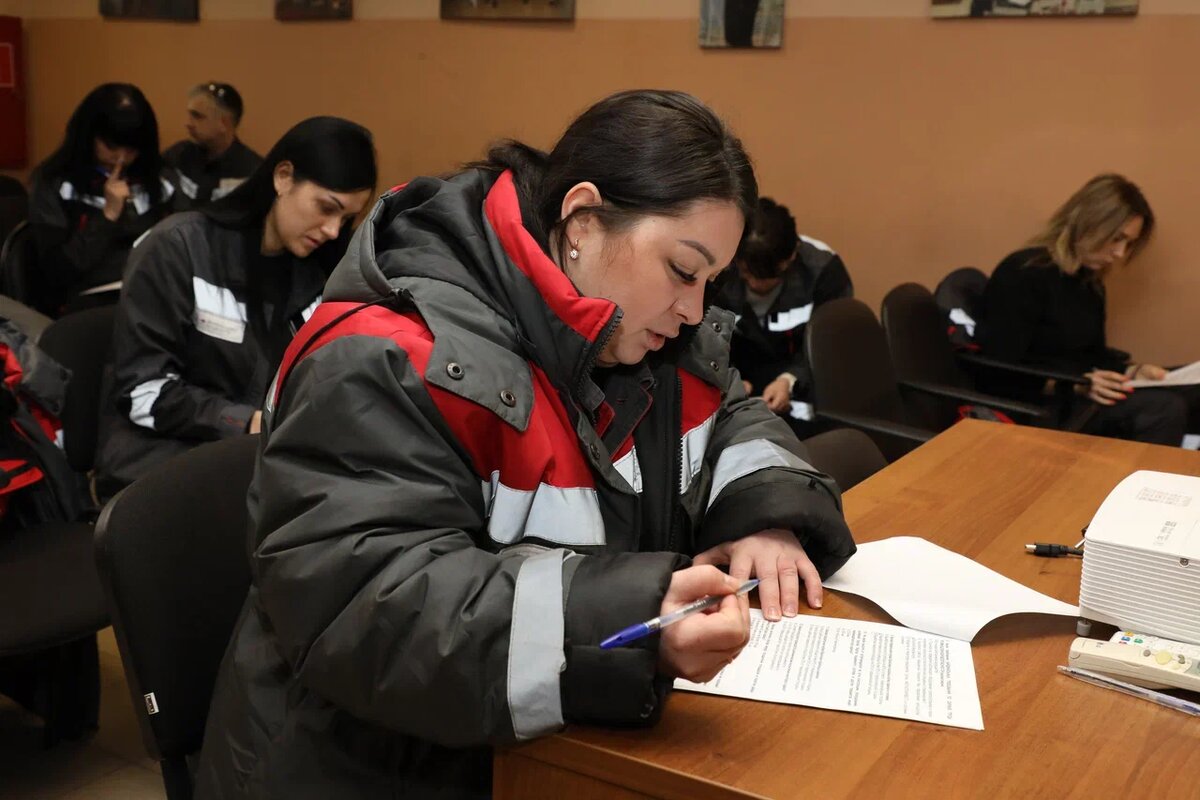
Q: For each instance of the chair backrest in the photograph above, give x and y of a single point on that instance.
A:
(171, 548)
(81, 343)
(851, 368)
(920, 348)
(958, 295)
(14, 204)
(18, 259)
(845, 454)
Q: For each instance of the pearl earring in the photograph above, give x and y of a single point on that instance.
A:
(574, 252)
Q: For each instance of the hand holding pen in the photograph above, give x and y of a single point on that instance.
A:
(698, 645)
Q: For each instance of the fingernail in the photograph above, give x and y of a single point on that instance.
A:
(789, 610)
(817, 604)
(772, 613)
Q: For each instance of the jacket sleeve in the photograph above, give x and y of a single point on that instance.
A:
(150, 348)
(761, 479)
(66, 251)
(375, 573)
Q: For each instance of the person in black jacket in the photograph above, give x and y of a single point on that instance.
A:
(780, 279)
(510, 430)
(213, 298)
(1044, 305)
(94, 196)
(212, 161)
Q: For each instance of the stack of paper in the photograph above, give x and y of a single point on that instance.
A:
(1141, 564)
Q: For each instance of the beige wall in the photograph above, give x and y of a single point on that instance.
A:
(910, 145)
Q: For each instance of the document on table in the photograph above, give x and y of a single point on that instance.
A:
(937, 590)
(847, 665)
(1184, 376)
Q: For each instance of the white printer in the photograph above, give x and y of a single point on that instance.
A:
(1141, 563)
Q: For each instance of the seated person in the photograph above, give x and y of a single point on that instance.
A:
(214, 297)
(212, 161)
(498, 442)
(93, 197)
(780, 279)
(1044, 305)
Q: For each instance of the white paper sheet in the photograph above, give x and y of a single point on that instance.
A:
(1184, 376)
(847, 665)
(937, 590)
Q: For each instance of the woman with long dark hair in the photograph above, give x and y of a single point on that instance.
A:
(214, 296)
(94, 196)
(498, 441)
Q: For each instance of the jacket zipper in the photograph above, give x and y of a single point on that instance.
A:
(675, 447)
(593, 353)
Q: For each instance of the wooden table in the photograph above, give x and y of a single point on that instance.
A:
(983, 490)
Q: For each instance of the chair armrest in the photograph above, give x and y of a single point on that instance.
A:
(877, 425)
(978, 398)
(1047, 373)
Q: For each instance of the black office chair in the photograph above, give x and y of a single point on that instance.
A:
(959, 298)
(853, 381)
(18, 263)
(927, 367)
(171, 548)
(14, 204)
(81, 342)
(846, 455)
(48, 581)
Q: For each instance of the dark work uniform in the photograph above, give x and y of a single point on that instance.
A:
(1034, 313)
(199, 179)
(78, 248)
(765, 347)
(189, 365)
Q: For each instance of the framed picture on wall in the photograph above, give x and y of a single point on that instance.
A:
(741, 23)
(947, 9)
(187, 10)
(508, 9)
(296, 10)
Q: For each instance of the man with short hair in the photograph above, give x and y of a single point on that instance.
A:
(212, 161)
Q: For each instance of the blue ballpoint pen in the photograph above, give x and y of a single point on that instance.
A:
(635, 632)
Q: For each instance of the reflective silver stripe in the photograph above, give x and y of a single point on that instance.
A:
(693, 445)
(569, 516)
(67, 192)
(743, 458)
(142, 238)
(308, 312)
(535, 647)
(629, 469)
(188, 186)
(217, 300)
(792, 318)
(140, 199)
(143, 398)
(960, 317)
(800, 410)
(269, 402)
(817, 243)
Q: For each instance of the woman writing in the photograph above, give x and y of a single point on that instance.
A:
(497, 442)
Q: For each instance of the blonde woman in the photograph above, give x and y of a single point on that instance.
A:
(1045, 305)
